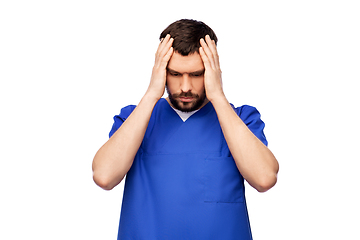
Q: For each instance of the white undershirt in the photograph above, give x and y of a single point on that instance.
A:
(184, 115)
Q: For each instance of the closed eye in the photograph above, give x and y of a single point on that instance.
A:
(175, 74)
(197, 74)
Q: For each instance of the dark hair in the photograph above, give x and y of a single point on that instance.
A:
(187, 34)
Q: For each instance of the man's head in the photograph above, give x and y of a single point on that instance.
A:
(185, 70)
(187, 34)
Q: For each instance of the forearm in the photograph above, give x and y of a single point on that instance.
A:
(254, 160)
(114, 159)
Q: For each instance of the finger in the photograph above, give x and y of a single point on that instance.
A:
(213, 48)
(205, 58)
(163, 43)
(211, 44)
(208, 53)
(166, 38)
(167, 46)
(167, 57)
(163, 49)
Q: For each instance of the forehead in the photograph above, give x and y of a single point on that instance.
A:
(186, 64)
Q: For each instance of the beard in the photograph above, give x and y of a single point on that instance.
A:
(186, 106)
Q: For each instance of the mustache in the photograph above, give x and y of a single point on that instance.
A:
(185, 94)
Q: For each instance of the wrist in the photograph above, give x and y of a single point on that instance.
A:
(219, 101)
(151, 97)
(215, 98)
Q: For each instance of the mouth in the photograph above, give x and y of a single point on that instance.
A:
(186, 99)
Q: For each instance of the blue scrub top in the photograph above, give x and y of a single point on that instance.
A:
(184, 183)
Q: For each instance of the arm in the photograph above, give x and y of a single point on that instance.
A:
(114, 159)
(254, 160)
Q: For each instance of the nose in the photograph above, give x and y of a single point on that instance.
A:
(186, 83)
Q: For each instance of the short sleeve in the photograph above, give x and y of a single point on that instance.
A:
(251, 117)
(120, 119)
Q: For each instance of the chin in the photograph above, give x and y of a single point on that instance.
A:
(188, 106)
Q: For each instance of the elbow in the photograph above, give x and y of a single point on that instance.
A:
(266, 183)
(103, 182)
(103, 177)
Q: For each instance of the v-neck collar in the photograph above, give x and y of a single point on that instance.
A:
(185, 115)
(199, 113)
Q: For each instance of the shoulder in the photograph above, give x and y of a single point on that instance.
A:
(126, 111)
(120, 118)
(252, 118)
(246, 111)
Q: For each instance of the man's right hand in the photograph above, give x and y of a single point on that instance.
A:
(158, 77)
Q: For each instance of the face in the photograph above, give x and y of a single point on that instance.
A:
(185, 82)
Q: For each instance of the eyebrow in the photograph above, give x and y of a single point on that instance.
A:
(194, 73)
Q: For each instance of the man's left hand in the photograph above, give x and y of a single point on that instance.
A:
(212, 77)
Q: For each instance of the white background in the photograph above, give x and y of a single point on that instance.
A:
(67, 67)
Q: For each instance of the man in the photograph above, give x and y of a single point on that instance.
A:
(186, 156)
